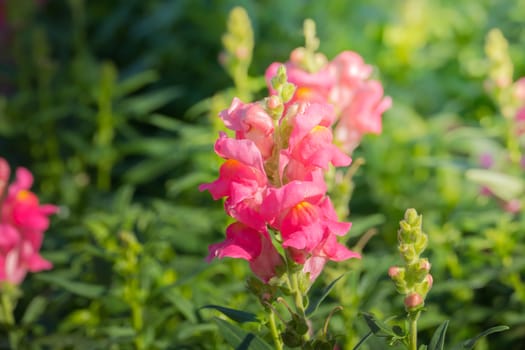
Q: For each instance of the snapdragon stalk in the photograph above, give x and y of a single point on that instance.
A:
(413, 278)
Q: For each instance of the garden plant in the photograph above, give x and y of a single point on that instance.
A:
(262, 174)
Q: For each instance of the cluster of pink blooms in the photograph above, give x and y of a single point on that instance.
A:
(22, 224)
(273, 175)
(345, 83)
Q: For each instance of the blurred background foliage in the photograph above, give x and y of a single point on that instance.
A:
(112, 105)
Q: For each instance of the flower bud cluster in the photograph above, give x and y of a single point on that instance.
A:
(22, 224)
(413, 279)
(237, 41)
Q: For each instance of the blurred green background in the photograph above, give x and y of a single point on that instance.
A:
(113, 106)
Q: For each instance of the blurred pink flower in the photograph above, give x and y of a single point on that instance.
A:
(22, 224)
(345, 83)
(246, 243)
(362, 115)
(312, 87)
(486, 160)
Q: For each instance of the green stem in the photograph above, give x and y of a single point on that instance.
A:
(7, 307)
(298, 299)
(413, 317)
(273, 330)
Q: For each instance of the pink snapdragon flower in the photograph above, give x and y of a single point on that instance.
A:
(22, 224)
(310, 147)
(272, 180)
(250, 121)
(242, 180)
(308, 224)
(345, 83)
(243, 242)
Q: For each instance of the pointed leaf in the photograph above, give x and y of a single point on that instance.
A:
(312, 307)
(83, 289)
(239, 338)
(236, 315)
(363, 340)
(469, 343)
(35, 308)
(438, 339)
(136, 82)
(379, 328)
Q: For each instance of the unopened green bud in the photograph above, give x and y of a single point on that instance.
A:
(408, 253)
(424, 286)
(280, 78)
(412, 218)
(420, 243)
(287, 92)
(404, 229)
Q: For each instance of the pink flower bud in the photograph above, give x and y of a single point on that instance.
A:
(413, 300)
(430, 281)
(273, 102)
(424, 264)
(297, 55)
(393, 271)
(241, 53)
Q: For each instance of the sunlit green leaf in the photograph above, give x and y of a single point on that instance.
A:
(505, 186)
(438, 339)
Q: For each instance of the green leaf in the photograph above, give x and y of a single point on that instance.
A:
(136, 82)
(469, 343)
(83, 289)
(142, 105)
(379, 328)
(363, 340)
(70, 341)
(504, 186)
(438, 339)
(236, 315)
(35, 308)
(115, 332)
(312, 307)
(239, 338)
(181, 304)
